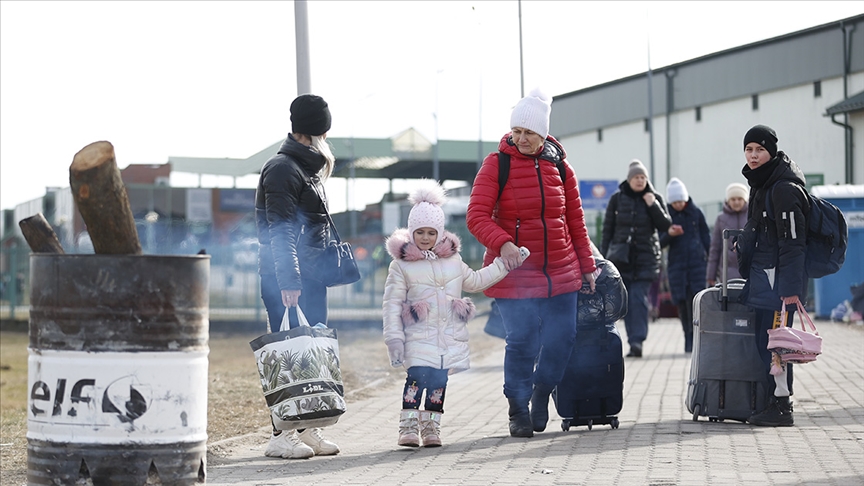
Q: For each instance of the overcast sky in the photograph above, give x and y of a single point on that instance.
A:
(215, 79)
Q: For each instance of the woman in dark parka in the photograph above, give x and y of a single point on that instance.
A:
(689, 242)
(633, 217)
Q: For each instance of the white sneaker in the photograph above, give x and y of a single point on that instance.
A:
(312, 437)
(288, 446)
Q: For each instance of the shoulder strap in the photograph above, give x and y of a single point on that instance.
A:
(562, 170)
(770, 194)
(504, 171)
(311, 184)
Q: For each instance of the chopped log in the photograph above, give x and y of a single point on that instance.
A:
(102, 200)
(40, 235)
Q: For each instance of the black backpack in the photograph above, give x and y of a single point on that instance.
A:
(827, 235)
(504, 171)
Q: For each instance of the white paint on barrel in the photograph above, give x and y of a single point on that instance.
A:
(117, 398)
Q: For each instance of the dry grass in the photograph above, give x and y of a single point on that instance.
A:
(235, 402)
(13, 403)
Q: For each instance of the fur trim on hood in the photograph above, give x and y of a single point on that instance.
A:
(401, 246)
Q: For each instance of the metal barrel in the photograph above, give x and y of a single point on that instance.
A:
(117, 369)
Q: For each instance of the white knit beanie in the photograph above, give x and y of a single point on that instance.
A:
(427, 213)
(736, 189)
(532, 112)
(676, 191)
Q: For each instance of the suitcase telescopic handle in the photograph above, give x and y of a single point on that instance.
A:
(724, 280)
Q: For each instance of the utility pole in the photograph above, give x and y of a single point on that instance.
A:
(301, 32)
(436, 163)
(521, 65)
(650, 103)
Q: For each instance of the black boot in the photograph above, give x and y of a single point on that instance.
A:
(635, 351)
(777, 414)
(688, 342)
(520, 419)
(540, 407)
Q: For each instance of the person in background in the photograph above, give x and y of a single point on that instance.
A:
(539, 208)
(425, 315)
(774, 264)
(733, 216)
(293, 228)
(688, 240)
(634, 215)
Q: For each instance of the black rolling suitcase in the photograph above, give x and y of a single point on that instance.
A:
(592, 389)
(726, 372)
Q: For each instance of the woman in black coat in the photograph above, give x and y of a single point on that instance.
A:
(634, 215)
(293, 229)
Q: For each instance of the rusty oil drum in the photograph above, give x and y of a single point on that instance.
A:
(118, 369)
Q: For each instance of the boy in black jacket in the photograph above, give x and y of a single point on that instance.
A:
(774, 266)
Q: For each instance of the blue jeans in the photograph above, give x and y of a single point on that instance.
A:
(313, 301)
(636, 320)
(541, 331)
(432, 380)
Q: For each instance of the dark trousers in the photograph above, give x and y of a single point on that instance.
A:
(636, 320)
(541, 331)
(313, 301)
(765, 321)
(685, 311)
(424, 378)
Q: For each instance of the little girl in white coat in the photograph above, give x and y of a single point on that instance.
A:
(425, 315)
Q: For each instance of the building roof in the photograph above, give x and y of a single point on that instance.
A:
(406, 155)
(853, 103)
(205, 165)
(792, 59)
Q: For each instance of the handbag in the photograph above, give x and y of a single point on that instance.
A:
(618, 253)
(336, 265)
(793, 345)
(300, 374)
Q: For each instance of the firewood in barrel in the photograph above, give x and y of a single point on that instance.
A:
(102, 200)
(40, 235)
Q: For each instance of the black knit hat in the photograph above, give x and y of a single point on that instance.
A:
(764, 136)
(310, 115)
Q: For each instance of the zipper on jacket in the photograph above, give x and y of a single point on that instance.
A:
(545, 229)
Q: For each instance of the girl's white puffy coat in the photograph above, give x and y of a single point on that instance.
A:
(423, 303)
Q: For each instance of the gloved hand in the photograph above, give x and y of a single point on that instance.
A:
(396, 350)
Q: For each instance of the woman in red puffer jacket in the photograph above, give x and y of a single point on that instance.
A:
(539, 208)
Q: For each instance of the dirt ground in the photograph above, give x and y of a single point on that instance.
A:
(235, 403)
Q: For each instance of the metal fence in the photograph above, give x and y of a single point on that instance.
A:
(234, 282)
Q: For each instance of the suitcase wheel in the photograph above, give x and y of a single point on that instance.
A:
(696, 409)
(614, 423)
(565, 425)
